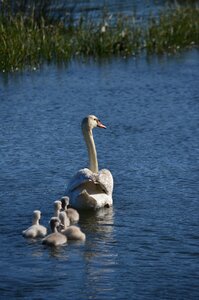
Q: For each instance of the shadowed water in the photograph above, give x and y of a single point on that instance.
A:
(146, 246)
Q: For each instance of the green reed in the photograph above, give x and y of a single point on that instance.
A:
(28, 42)
(172, 31)
(24, 42)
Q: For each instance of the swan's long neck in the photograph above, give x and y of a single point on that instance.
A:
(92, 153)
(56, 212)
(54, 229)
(35, 221)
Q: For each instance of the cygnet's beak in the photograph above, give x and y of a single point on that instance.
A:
(99, 124)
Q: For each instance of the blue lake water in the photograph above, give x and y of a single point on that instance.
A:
(147, 245)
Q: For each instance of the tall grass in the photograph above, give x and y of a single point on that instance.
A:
(172, 31)
(26, 40)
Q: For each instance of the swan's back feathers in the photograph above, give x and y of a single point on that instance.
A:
(55, 239)
(74, 233)
(35, 231)
(104, 179)
(88, 190)
(81, 177)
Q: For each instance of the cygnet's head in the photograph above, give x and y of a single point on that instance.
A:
(37, 214)
(91, 122)
(57, 205)
(64, 202)
(54, 223)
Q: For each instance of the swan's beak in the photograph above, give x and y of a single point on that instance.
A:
(99, 124)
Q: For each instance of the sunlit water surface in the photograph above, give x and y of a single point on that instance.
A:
(146, 246)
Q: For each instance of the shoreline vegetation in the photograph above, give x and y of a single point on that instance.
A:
(28, 41)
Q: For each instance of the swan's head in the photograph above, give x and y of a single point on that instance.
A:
(36, 215)
(57, 205)
(54, 223)
(91, 122)
(64, 202)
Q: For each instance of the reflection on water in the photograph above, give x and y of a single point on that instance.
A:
(146, 245)
(99, 228)
(104, 216)
(63, 9)
(57, 252)
(100, 255)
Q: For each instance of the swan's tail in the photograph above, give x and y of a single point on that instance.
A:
(86, 201)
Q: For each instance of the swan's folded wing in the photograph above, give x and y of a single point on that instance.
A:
(81, 177)
(105, 179)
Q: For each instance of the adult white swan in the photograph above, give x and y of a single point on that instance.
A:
(91, 188)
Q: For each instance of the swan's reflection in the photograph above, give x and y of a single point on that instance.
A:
(100, 255)
(38, 249)
(57, 252)
(98, 227)
(101, 220)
